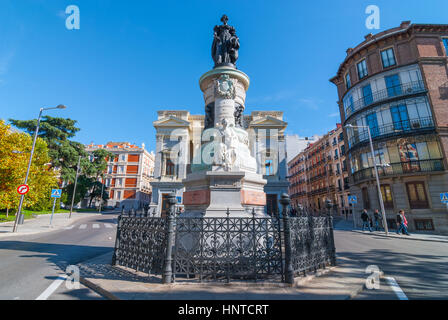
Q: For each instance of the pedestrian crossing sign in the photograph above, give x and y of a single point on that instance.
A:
(56, 193)
(352, 199)
(444, 197)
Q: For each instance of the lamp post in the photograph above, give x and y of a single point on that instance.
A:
(74, 188)
(31, 159)
(380, 195)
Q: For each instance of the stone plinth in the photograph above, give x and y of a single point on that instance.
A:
(213, 192)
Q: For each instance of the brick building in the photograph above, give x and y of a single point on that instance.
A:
(128, 174)
(319, 173)
(396, 84)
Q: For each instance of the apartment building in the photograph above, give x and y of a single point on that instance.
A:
(319, 173)
(128, 174)
(395, 84)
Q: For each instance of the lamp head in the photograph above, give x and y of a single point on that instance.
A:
(61, 106)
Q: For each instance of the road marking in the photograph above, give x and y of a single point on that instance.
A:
(108, 225)
(52, 288)
(95, 226)
(69, 228)
(83, 226)
(394, 285)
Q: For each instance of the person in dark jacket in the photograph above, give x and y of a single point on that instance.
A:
(401, 223)
(377, 218)
(365, 220)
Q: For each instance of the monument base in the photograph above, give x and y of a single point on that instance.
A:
(216, 192)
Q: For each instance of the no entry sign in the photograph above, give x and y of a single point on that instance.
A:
(23, 189)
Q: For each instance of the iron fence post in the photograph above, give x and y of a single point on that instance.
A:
(117, 241)
(333, 247)
(289, 272)
(168, 270)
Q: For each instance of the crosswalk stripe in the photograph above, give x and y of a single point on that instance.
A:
(108, 225)
(95, 226)
(69, 228)
(83, 226)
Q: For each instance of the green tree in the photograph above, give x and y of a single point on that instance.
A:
(57, 132)
(14, 155)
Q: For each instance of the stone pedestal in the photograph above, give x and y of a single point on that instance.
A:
(212, 193)
(227, 178)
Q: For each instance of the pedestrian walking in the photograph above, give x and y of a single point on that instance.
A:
(401, 226)
(377, 218)
(365, 220)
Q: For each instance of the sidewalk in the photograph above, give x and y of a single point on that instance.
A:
(337, 283)
(42, 223)
(348, 226)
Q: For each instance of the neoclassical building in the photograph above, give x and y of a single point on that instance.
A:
(396, 84)
(178, 146)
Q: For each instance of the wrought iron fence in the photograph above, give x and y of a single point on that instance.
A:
(225, 248)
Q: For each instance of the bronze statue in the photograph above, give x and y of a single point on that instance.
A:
(225, 44)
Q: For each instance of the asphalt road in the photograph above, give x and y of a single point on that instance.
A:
(418, 267)
(31, 264)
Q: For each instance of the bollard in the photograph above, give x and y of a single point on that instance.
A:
(289, 271)
(168, 269)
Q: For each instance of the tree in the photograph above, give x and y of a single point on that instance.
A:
(57, 132)
(14, 155)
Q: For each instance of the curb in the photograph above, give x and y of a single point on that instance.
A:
(106, 294)
(396, 237)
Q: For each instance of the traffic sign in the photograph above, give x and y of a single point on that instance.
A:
(56, 193)
(444, 197)
(23, 189)
(352, 199)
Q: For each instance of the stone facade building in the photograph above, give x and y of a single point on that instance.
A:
(179, 134)
(396, 84)
(128, 174)
(319, 173)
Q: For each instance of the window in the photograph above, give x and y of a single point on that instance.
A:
(445, 42)
(347, 80)
(269, 167)
(386, 193)
(393, 85)
(388, 58)
(123, 157)
(372, 122)
(362, 69)
(400, 117)
(417, 195)
(367, 94)
(365, 198)
(424, 224)
(118, 195)
(169, 171)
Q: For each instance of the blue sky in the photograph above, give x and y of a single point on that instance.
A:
(132, 58)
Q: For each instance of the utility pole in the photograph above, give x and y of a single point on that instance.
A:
(74, 188)
(22, 197)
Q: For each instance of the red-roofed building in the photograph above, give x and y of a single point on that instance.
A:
(128, 174)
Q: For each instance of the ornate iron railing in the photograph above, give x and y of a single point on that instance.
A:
(383, 95)
(225, 248)
(392, 129)
(399, 168)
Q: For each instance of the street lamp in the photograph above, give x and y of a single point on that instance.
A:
(380, 195)
(74, 188)
(61, 106)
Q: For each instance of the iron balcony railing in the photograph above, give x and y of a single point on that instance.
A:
(398, 168)
(392, 129)
(401, 90)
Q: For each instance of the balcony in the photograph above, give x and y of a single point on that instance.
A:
(432, 165)
(402, 90)
(392, 129)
